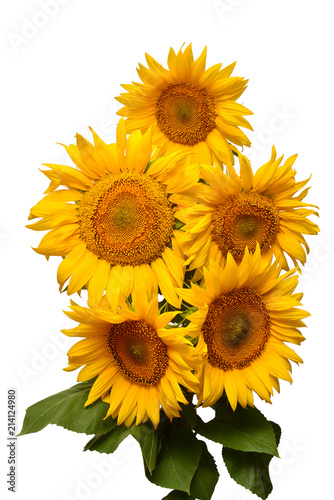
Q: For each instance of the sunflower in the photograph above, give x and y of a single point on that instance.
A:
(238, 211)
(114, 221)
(191, 107)
(139, 363)
(245, 315)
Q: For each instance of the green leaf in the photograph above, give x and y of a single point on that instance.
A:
(250, 469)
(206, 476)
(149, 440)
(177, 461)
(189, 413)
(108, 442)
(204, 480)
(67, 410)
(277, 431)
(244, 429)
(178, 495)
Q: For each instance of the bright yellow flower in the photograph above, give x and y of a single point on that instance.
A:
(114, 220)
(140, 365)
(235, 211)
(190, 106)
(245, 314)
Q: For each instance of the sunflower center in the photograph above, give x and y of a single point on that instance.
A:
(236, 329)
(245, 219)
(185, 113)
(247, 226)
(124, 214)
(126, 219)
(138, 351)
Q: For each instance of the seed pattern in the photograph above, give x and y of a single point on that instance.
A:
(245, 219)
(236, 329)
(126, 219)
(139, 352)
(185, 113)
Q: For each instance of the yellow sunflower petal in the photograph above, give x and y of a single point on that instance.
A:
(186, 103)
(251, 312)
(165, 282)
(247, 210)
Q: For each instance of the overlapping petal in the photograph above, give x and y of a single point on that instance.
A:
(185, 100)
(124, 368)
(93, 257)
(246, 314)
(238, 210)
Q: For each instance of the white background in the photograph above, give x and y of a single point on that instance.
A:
(60, 72)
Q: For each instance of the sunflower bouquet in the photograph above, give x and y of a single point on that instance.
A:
(189, 261)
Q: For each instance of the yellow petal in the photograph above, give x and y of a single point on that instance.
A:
(165, 282)
(82, 272)
(98, 282)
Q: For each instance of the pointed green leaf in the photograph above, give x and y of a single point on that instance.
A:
(177, 461)
(149, 440)
(189, 413)
(204, 481)
(206, 476)
(250, 469)
(108, 442)
(244, 429)
(178, 495)
(147, 436)
(277, 431)
(67, 410)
